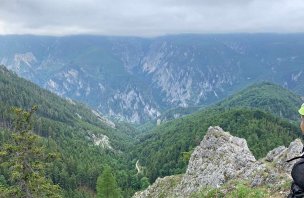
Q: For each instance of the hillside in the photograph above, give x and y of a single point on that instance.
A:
(137, 79)
(268, 97)
(223, 166)
(85, 140)
(166, 149)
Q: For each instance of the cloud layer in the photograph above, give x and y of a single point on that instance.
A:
(149, 17)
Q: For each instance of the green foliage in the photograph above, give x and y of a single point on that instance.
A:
(163, 151)
(166, 149)
(209, 193)
(24, 160)
(240, 190)
(265, 96)
(243, 191)
(186, 155)
(61, 130)
(106, 185)
(144, 183)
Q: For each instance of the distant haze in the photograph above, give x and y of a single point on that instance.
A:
(149, 17)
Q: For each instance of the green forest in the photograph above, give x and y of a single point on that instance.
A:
(49, 140)
(79, 162)
(264, 114)
(166, 150)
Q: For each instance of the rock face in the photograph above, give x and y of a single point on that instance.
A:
(279, 156)
(221, 157)
(137, 79)
(103, 141)
(162, 187)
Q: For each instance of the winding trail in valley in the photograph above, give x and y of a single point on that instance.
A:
(138, 167)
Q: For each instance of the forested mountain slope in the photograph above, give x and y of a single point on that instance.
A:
(268, 97)
(139, 78)
(165, 150)
(223, 166)
(85, 140)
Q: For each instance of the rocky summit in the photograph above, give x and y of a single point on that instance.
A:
(221, 158)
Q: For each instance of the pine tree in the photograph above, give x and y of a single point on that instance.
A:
(106, 185)
(144, 183)
(25, 160)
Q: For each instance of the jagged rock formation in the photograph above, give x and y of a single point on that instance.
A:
(279, 155)
(220, 158)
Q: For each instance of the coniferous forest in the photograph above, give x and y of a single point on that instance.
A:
(50, 142)
(65, 129)
(151, 99)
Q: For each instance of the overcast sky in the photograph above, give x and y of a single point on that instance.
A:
(149, 17)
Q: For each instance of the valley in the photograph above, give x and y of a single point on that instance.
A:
(138, 79)
(139, 107)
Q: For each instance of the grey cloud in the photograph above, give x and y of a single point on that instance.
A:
(150, 18)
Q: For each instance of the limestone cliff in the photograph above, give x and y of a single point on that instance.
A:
(137, 79)
(221, 158)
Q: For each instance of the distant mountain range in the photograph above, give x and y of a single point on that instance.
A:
(137, 79)
(264, 114)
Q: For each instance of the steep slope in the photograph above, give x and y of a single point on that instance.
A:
(138, 78)
(85, 140)
(268, 97)
(95, 70)
(165, 150)
(221, 165)
(18, 92)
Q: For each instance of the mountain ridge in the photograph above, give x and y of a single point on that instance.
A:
(222, 159)
(163, 149)
(83, 139)
(138, 78)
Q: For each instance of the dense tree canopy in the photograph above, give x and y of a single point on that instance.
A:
(106, 185)
(255, 114)
(66, 128)
(23, 161)
(61, 151)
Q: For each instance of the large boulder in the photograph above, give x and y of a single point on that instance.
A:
(220, 158)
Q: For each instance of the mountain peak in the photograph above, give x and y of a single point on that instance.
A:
(221, 158)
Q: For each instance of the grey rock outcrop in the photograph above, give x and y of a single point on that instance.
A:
(162, 187)
(221, 157)
(278, 156)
